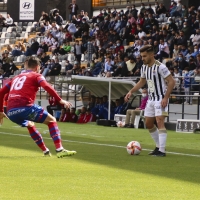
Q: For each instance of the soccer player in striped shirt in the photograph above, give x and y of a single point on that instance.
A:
(155, 74)
(21, 109)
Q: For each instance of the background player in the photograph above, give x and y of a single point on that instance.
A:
(22, 110)
(155, 74)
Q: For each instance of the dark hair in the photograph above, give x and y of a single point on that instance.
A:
(33, 62)
(147, 48)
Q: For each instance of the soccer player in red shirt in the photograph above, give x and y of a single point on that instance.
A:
(22, 110)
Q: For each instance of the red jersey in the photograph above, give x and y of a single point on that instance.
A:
(53, 101)
(66, 117)
(73, 118)
(23, 88)
(81, 118)
(89, 118)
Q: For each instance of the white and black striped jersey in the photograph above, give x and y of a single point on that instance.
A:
(155, 77)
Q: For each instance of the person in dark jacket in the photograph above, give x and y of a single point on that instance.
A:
(55, 70)
(73, 9)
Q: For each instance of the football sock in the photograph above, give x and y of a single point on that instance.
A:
(36, 136)
(162, 140)
(154, 135)
(55, 135)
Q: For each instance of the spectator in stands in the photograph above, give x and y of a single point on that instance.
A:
(130, 114)
(90, 50)
(196, 38)
(11, 69)
(9, 21)
(78, 50)
(58, 18)
(16, 51)
(138, 65)
(73, 9)
(47, 26)
(187, 82)
(44, 18)
(2, 21)
(182, 64)
(131, 63)
(52, 14)
(22, 47)
(55, 69)
(5, 58)
(32, 50)
(163, 50)
(74, 70)
(44, 58)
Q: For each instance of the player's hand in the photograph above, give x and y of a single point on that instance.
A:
(127, 97)
(66, 104)
(164, 102)
(2, 115)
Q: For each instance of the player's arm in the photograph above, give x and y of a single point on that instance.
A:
(170, 85)
(166, 74)
(47, 87)
(139, 85)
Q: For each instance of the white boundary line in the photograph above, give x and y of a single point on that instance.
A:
(99, 144)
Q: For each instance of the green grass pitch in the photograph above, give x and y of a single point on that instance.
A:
(101, 170)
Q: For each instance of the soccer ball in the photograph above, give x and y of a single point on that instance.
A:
(120, 124)
(134, 148)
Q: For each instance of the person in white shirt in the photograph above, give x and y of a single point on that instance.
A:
(86, 17)
(163, 50)
(9, 20)
(47, 26)
(196, 38)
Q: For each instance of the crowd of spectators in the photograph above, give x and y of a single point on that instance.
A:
(109, 42)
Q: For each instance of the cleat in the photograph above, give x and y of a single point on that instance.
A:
(160, 154)
(47, 154)
(64, 153)
(154, 152)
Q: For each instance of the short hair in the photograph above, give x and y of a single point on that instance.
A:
(33, 62)
(147, 48)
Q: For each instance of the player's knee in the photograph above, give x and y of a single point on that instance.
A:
(149, 125)
(160, 123)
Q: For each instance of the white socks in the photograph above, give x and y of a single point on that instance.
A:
(160, 138)
(154, 135)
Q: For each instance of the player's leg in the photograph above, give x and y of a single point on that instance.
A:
(54, 131)
(149, 114)
(20, 116)
(37, 137)
(160, 114)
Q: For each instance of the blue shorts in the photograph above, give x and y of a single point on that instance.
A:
(22, 115)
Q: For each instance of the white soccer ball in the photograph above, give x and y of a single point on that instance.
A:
(120, 124)
(134, 148)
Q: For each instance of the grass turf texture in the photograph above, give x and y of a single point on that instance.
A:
(98, 171)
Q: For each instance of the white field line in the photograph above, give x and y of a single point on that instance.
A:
(99, 144)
